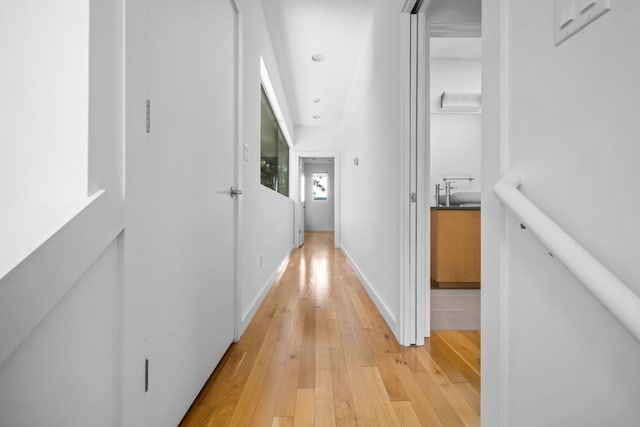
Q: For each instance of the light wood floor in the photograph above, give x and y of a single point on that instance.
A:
(319, 353)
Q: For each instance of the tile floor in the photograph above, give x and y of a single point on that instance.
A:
(455, 309)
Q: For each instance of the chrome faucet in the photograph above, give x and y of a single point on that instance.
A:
(448, 187)
(447, 192)
(437, 195)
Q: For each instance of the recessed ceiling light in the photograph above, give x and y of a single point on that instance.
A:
(318, 57)
(316, 100)
(316, 116)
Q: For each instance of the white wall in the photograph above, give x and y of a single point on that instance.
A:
(455, 137)
(63, 373)
(318, 215)
(453, 75)
(266, 217)
(371, 131)
(75, 347)
(44, 110)
(571, 129)
(59, 308)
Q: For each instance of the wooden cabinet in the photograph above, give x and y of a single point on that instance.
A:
(455, 248)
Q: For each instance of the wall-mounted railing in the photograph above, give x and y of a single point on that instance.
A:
(621, 301)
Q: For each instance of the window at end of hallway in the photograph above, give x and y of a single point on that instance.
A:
(274, 151)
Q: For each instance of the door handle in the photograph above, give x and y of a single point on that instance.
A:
(233, 192)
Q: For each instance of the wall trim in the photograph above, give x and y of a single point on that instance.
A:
(248, 315)
(388, 315)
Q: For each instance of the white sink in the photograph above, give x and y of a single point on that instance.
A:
(462, 198)
(465, 197)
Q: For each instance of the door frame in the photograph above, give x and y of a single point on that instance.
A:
(423, 183)
(238, 183)
(415, 300)
(494, 259)
(495, 158)
(294, 177)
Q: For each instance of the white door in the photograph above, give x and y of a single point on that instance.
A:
(415, 289)
(299, 224)
(190, 171)
(301, 205)
(303, 208)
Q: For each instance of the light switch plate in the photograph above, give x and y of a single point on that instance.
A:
(566, 14)
(565, 19)
(590, 10)
(584, 12)
(245, 152)
(585, 5)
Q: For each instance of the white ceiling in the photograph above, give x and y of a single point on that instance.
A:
(299, 29)
(338, 30)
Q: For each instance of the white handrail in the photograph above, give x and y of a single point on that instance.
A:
(614, 295)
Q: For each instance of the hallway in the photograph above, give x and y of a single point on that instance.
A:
(319, 353)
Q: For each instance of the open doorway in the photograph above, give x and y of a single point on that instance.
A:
(316, 192)
(455, 165)
(452, 20)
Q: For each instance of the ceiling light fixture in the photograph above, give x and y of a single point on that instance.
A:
(316, 100)
(316, 116)
(318, 57)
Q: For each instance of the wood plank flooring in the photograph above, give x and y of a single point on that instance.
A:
(318, 353)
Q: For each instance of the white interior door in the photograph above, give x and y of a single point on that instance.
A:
(191, 147)
(299, 224)
(416, 265)
(303, 202)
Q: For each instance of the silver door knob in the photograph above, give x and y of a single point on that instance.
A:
(233, 192)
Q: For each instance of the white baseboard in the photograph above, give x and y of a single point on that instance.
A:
(387, 314)
(264, 290)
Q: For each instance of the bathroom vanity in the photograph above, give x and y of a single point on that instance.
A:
(455, 247)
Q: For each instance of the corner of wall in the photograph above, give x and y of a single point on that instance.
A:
(371, 131)
(248, 315)
(388, 315)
